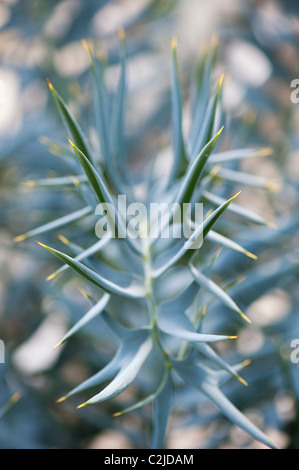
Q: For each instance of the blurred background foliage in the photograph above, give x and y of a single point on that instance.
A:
(258, 51)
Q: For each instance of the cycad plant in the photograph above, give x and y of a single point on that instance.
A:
(161, 327)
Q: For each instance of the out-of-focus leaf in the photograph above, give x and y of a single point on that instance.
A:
(201, 92)
(180, 160)
(207, 127)
(216, 237)
(249, 180)
(9, 404)
(55, 224)
(119, 109)
(59, 183)
(162, 406)
(238, 154)
(238, 210)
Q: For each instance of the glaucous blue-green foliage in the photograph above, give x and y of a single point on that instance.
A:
(172, 336)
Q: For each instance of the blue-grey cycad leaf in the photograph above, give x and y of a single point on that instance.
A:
(104, 117)
(176, 323)
(238, 154)
(101, 107)
(223, 376)
(248, 179)
(238, 210)
(182, 301)
(187, 250)
(210, 354)
(177, 131)
(9, 404)
(71, 123)
(119, 111)
(111, 281)
(228, 243)
(238, 418)
(104, 197)
(201, 378)
(57, 223)
(127, 373)
(216, 291)
(189, 181)
(123, 357)
(90, 315)
(120, 331)
(59, 183)
(195, 170)
(201, 93)
(83, 254)
(147, 399)
(162, 406)
(206, 129)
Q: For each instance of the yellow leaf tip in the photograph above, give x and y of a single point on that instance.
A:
(236, 195)
(61, 399)
(215, 40)
(246, 362)
(274, 186)
(85, 44)
(16, 397)
(30, 183)
(271, 224)
(57, 345)
(63, 239)
(83, 292)
(244, 316)
(264, 152)
(50, 84)
(174, 43)
(242, 380)
(122, 34)
(250, 255)
(75, 180)
(81, 406)
(19, 238)
(41, 244)
(219, 132)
